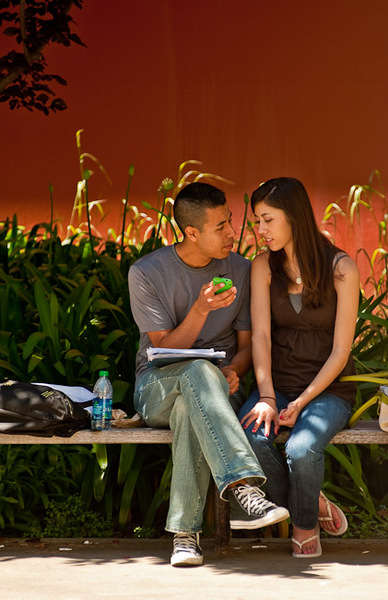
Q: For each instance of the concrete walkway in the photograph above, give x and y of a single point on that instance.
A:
(138, 569)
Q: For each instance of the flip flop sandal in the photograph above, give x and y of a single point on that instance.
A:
(300, 545)
(343, 520)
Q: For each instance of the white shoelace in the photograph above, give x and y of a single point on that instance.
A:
(187, 542)
(251, 497)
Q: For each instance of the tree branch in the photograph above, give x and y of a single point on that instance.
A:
(31, 62)
(21, 70)
(23, 31)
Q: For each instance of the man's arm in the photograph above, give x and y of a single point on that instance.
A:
(154, 318)
(241, 361)
(186, 333)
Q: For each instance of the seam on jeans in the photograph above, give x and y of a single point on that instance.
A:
(198, 513)
(297, 517)
(205, 419)
(227, 465)
(153, 379)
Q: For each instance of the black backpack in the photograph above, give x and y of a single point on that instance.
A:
(40, 410)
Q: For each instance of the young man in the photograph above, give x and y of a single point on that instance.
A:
(175, 305)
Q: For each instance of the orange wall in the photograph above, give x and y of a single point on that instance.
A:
(253, 89)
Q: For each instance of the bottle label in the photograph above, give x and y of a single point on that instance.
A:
(102, 409)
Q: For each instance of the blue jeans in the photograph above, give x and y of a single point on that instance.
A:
(295, 481)
(192, 398)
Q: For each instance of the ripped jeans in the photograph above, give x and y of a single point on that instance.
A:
(295, 480)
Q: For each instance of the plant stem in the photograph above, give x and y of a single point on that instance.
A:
(131, 172)
(86, 192)
(161, 215)
(51, 189)
(246, 202)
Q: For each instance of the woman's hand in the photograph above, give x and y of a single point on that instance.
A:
(289, 415)
(262, 412)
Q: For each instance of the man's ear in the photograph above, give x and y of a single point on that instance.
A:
(192, 233)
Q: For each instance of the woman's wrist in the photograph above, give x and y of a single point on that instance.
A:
(268, 399)
(300, 403)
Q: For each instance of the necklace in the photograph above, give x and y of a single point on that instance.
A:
(293, 274)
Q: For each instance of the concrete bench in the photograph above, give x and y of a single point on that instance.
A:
(364, 432)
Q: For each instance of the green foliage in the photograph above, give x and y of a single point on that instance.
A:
(370, 348)
(70, 518)
(145, 532)
(65, 314)
(362, 524)
(349, 471)
(350, 459)
(29, 476)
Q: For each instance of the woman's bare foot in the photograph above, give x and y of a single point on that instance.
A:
(300, 535)
(331, 517)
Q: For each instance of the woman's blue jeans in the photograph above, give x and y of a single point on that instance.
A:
(192, 398)
(294, 481)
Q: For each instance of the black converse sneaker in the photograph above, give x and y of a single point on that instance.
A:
(187, 551)
(249, 508)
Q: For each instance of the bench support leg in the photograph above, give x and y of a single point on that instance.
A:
(222, 527)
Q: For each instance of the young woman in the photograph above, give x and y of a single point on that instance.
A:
(304, 305)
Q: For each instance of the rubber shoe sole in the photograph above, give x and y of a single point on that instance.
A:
(271, 518)
(186, 559)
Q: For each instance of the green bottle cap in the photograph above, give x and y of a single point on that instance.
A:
(103, 373)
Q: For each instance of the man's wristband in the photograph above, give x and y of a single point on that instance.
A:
(268, 398)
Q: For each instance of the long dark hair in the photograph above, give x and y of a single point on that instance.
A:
(314, 252)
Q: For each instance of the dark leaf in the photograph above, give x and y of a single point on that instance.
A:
(58, 104)
(74, 38)
(42, 88)
(40, 8)
(11, 31)
(59, 79)
(42, 98)
(8, 16)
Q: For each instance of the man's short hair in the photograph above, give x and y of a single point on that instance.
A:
(191, 202)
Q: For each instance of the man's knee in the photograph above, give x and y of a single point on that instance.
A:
(202, 368)
(202, 372)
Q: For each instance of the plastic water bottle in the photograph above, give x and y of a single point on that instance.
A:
(102, 404)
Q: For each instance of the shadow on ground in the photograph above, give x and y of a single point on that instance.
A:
(261, 556)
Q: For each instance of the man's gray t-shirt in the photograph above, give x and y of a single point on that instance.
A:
(163, 288)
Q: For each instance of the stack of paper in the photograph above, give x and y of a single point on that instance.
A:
(160, 356)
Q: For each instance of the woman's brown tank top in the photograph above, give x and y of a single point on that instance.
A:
(301, 344)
